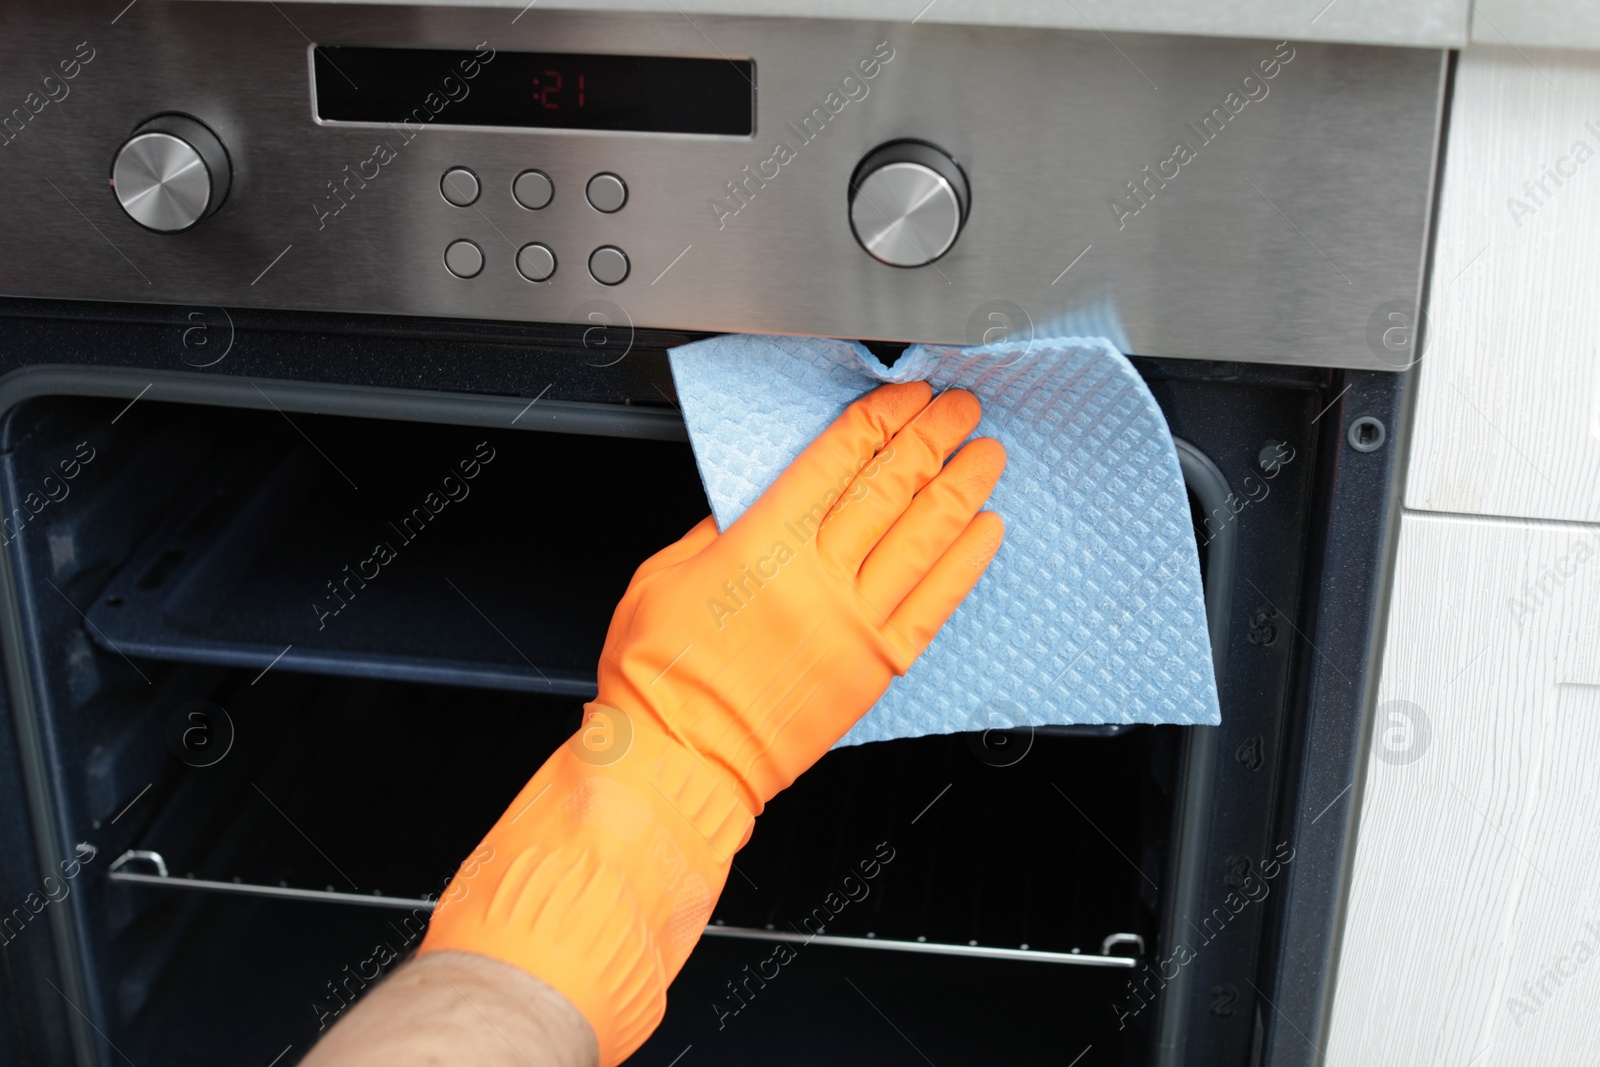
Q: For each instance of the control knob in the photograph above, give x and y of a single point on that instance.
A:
(171, 173)
(908, 201)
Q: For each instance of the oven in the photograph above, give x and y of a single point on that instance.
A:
(443, 331)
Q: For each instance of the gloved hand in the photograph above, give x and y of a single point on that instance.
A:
(733, 663)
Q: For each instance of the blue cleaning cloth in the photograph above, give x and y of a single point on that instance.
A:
(1092, 612)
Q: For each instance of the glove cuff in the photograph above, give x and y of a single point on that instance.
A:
(600, 877)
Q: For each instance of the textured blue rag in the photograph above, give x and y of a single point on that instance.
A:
(1092, 612)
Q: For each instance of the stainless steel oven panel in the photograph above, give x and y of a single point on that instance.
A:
(1292, 235)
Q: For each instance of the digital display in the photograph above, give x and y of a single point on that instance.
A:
(539, 90)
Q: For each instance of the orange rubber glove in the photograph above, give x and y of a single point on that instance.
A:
(732, 664)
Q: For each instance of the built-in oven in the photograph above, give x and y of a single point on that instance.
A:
(325, 460)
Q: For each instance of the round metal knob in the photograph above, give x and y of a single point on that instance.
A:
(170, 174)
(908, 201)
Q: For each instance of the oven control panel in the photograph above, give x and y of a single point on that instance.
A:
(1189, 198)
(534, 191)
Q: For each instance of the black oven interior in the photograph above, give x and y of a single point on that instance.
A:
(375, 725)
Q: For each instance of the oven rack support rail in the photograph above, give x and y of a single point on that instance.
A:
(120, 872)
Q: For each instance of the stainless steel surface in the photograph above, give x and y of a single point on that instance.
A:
(905, 215)
(1411, 23)
(606, 192)
(161, 182)
(609, 265)
(536, 262)
(1276, 242)
(533, 189)
(162, 178)
(459, 186)
(463, 259)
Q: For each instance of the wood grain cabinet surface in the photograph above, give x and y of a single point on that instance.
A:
(1472, 931)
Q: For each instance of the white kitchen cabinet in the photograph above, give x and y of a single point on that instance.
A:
(1508, 411)
(1472, 931)
(1477, 871)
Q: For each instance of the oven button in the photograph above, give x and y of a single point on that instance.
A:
(533, 189)
(607, 193)
(459, 186)
(171, 173)
(536, 262)
(609, 265)
(908, 201)
(463, 258)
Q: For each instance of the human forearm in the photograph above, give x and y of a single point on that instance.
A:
(459, 1008)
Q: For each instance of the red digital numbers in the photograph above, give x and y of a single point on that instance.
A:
(548, 91)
